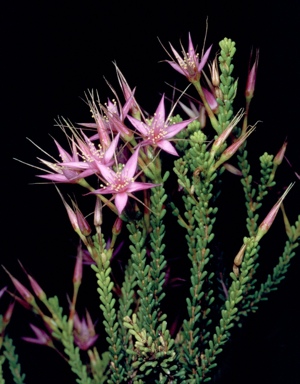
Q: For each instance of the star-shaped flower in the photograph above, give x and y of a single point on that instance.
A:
(158, 131)
(81, 163)
(121, 184)
(84, 332)
(189, 65)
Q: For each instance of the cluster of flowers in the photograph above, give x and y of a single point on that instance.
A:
(123, 148)
(120, 126)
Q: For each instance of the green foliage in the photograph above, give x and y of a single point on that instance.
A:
(12, 358)
(142, 347)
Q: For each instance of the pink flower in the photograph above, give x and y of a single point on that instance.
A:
(128, 94)
(71, 169)
(100, 122)
(41, 337)
(59, 173)
(158, 132)
(84, 332)
(189, 65)
(121, 183)
(113, 117)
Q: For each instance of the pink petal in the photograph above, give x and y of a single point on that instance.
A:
(130, 103)
(121, 201)
(56, 178)
(88, 125)
(176, 67)
(63, 154)
(204, 59)
(111, 150)
(74, 165)
(108, 174)
(159, 116)
(177, 56)
(104, 191)
(139, 125)
(191, 49)
(210, 98)
(137, 186)
(173, 129)
(130, 167)
(167, 146)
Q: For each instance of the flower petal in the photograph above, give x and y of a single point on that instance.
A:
(204, 59)
(159, 116)
(111, 150)
(177, 67)
(120, 201)
(191, 49)
(167, 146)
(139, 186)
(108, 174)
(130, 167)
(173, 129)
(139, 125)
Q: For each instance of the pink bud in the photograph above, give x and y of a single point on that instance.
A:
(77, 276)
(269, 219)
(98, 213)
(83, 224)
(8, 313)
(117, 227)
(251, 80)
(214, 70)
(36, 288)
(20, 301)
(230, 151)
(227, 131)
(70, 212)
(34, 284)
(211, 100)
(232, 169)
(280, 155)
(27, 296)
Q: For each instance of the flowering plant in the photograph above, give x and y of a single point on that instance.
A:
(122, 161)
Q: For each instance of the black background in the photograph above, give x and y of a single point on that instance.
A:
(52, 52)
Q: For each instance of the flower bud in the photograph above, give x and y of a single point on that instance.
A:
(239, 257)
(224, 135)
(98, 213)
(230, 151)
(8, 313)
(280, 155)
(214, 71)
(117, 227)
(202, 117)
(23, 291)
(77, 276)
(232, 169)
(71, 214)
(251, 80)
(211, 100)
(36, 288)
(268, 221)
(83, 224)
